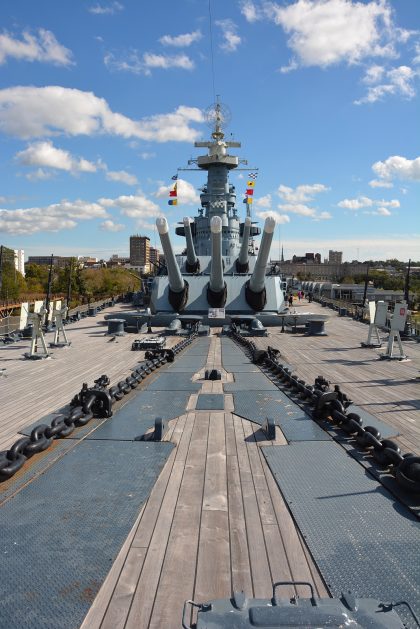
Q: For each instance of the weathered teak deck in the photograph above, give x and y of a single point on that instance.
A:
(390, 390)
(215, 523)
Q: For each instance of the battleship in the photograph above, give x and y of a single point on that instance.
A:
(237, 470)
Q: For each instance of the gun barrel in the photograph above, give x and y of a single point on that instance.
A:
(216, 272)
(192, 260)
(176, 283)
(257, 281)
(242, 262)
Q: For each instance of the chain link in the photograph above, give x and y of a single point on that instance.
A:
(326, 403)
(91, 402)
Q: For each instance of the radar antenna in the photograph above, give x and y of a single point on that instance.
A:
(217, 116)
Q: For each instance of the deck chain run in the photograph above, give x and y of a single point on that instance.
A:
(91, 402)
(326, 403)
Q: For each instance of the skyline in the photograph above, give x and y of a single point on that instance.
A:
(101, 102)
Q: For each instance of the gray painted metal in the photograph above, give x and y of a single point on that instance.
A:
(294, 422)
(210, 402)
(249, 382)
(139, 414)
(360, 537)
(70, 524)
(370, 420)
(78, 433)
(179, 381)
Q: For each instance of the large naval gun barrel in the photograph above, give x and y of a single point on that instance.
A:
(193, 263)
(242, 264)
(255, 292)
(216, 290)
(178, 287)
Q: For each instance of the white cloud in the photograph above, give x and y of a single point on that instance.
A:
(361, 202)
(181, 41)
(323, 216)
(46, 155)
(250, 11)
(302, 193)
(147, 155)
(186, 193)
(122, 176)
(110, 226)
(280, 219)
(396, 81)
(382, 211)
(326, 32)
(39, 175)
(30, 112)
(134, 206)
(263, 201)
(377, 183)
(298, 208)
(41, 47)
(397, 167)
(109, 9)
(51, 218)
(145, 63)
(231, 39)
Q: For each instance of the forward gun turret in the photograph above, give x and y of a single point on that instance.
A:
(255, 292)
(242, 263)
(193, 263)
(178, 287)
(216, 290)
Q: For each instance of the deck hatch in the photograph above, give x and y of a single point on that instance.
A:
(210, 402)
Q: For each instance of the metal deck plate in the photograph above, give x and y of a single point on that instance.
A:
(79, 431)
(210, 402)
(60, 534)
(189, 364)
(295, 424)
(249, 382)
(179, 381)
(361, 538)
(139, 414)
(370, 420)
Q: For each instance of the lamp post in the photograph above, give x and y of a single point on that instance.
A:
(49, 287)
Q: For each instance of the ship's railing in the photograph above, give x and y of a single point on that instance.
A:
(358, 312)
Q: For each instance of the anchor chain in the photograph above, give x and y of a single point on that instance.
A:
(325, 403)
(90, 402)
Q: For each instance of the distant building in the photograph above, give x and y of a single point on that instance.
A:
(139, 251)
(116, 260)
(154, 255)
(87, 261)
(20, 261)
(335, 257)
(308, 258)
(46, 260)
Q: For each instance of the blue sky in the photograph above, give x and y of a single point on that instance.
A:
(100, 103)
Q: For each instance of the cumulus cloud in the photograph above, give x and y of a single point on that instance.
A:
(383, 211)
(302, 193)
(122, 176)
(143, 64)
(50, 218)
(42, 46)
(250, 11)
(377, 183)
(110, 226)
(181, 41)
(262, 202)
(397, 167)
(39, 175)
(397, 81)
(134, 206)
(326, 32)
(231, 39)
(362, 201)
(106, 9)
(280, 219)
(46, 155)
(30, 112)
(187, 194)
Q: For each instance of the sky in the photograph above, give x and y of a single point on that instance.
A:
(101, 102)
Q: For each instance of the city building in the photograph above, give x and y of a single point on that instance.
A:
(139, 251)
(335, 257)
(116, 260)
(308, 258)
(154, 255)
(59, 261)
(20, 261)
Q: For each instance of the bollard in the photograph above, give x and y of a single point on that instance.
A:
(116, 327)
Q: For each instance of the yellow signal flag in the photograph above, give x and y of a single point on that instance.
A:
(249, 200)
(250, 184)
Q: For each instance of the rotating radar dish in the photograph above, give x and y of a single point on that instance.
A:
(217, 116)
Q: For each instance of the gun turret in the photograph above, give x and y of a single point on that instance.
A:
(178, 288)
(193, 263)
(255, 293)
(216, 290)
(242, 264)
